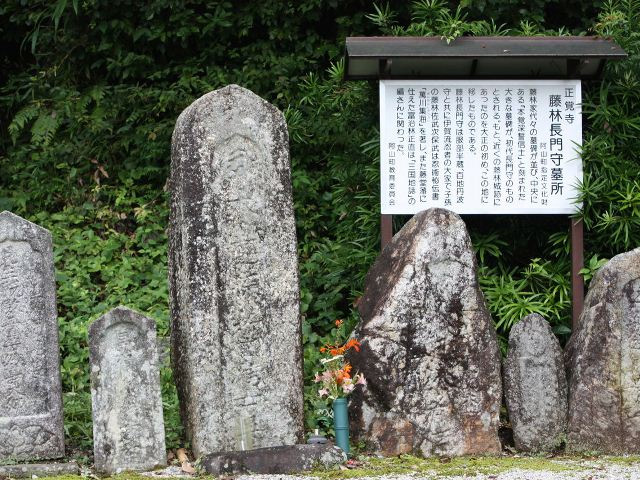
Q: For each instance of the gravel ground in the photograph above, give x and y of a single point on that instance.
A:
(525, 468)
(584, 470)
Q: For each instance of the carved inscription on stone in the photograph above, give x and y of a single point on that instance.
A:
(247, 267)
(127, 407)
(30, 390)
(21, 373)
(122, 368)
(233, 275)
(20, 440)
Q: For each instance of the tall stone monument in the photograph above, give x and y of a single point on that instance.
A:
(30, 388)
(233, 275)
(535, 386)
(603, 358)
(128, 428)
(429, 348)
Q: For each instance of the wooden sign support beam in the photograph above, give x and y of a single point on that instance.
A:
(386, 230)
(577, 262)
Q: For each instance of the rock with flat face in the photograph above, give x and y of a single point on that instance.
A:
(603, 358)
(535, 386)
(36, 470)
(429, 348)
(282, 460)
(128, 427)
(30, 387)
(233, 275)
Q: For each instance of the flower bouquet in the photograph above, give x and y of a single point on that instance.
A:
(337, 382)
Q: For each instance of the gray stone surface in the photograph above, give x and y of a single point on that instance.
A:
(29, 470)
(128, 427)
(275, 460)
(172, 471)
(429, 348)
(603, 356)
(233, 275)
(30, 388)
(535, 386)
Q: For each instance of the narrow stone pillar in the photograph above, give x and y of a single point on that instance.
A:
(233, 275)
(128, 426)
(30, 387)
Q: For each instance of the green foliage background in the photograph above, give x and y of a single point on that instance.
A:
(90, 90)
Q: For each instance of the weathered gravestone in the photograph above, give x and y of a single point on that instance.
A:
(233, 275)
(535, 386)
(30, 389)
(128, 428)
(603, 358)
(429, 348)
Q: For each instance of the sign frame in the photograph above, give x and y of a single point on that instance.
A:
(488, 58)
(555, 158)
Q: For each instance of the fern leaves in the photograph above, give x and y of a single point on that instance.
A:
(46, 118)
(21, 120)
(43, 129)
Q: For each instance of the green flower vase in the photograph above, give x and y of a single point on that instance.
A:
(341, 423)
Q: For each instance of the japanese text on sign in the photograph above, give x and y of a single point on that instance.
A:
(480, 146)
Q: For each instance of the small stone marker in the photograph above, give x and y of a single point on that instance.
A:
(233, 275)
(603, 357)
(429, 348)
(30, 389)
(128, 428)
(535, 386)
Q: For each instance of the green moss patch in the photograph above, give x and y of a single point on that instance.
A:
(445, 467)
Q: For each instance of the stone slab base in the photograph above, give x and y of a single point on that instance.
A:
(28, 470)
(274, 460)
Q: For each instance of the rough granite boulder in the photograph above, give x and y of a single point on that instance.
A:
(429, 348)
(603, 359)
(233, 275)
(535, 386)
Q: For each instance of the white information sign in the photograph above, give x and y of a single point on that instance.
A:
(480, 146)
